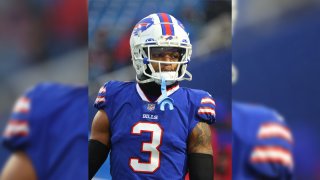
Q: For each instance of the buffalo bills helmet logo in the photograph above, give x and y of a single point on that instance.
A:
(143, 25)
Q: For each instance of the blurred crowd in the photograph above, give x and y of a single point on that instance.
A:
(37, 31)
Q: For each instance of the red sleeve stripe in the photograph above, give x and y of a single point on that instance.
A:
(272, 154)
(22, 105)
(16, 128)
(274, 130)
(102, 90)
(208, 101)
(16, 122)
(207, 110)
(100, 99)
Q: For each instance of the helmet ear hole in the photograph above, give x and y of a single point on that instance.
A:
(148, 70)
(145, 52)
(182, 52)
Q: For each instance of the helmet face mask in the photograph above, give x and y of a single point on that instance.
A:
(152, 39)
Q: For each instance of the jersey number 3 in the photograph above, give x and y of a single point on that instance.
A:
(152, 147)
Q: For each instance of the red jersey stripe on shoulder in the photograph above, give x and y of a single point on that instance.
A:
(22, 105)
(272, 154)
(100, 99)
(102, 90)
(208, 100)
(206, 110)
(16, 128)
(275, 130)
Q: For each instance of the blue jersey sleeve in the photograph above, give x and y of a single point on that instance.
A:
(16, 135)
(203, 108)
(48, 124)
(101, 100)
(106, 95)
(271, 156)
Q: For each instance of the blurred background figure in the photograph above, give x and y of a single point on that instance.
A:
(40, 41)
(276, 51)
(209, 26)
(47, 134)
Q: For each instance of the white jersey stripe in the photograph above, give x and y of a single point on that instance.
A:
(22, 105)
(16, 128)
(206, 110)
(102, 90)
(271, 130)
(272, 154)
(208, 101)
(100, 99)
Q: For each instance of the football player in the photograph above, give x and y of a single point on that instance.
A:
(47, 134)
(154, 128)
(262, 142)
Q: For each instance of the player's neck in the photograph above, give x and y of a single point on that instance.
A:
(153, 90)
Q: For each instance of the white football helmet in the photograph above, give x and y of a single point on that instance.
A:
(159, 30)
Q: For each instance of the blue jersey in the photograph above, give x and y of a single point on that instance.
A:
(262, 144)
(49, 123)
(145, 141)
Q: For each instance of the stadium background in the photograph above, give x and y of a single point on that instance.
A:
(209, 24)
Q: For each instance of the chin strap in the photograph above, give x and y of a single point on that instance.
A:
(164, 99)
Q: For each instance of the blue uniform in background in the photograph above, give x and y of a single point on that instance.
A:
(145, 141)
(262, 144)
(50, 124)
